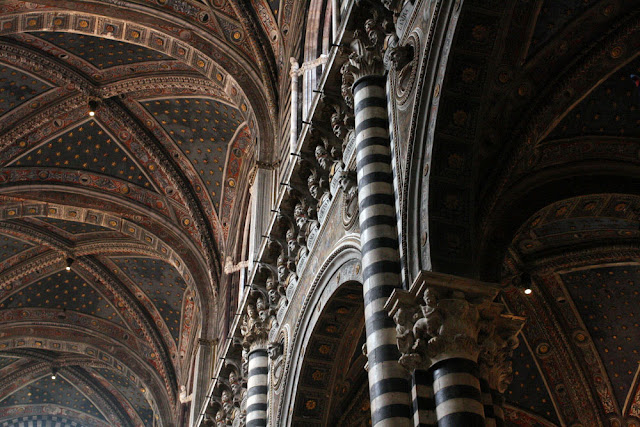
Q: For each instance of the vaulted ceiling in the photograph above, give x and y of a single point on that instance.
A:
(534, 183)
(142, 199)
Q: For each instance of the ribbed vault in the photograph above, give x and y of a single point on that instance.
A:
(138, 199)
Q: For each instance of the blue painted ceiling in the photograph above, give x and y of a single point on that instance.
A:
(607, 299)
(131, 392)
(87, 147)
(17, 87)
(162, 284)
(64, 290)
(58, 392)
(203, 129)
(102, 53)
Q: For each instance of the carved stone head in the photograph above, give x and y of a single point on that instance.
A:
(272, 291)
(322, 156)
(337, 125)
(292, 242)
(282, 267)
(314, 185)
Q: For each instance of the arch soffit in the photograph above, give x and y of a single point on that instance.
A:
(343, 265)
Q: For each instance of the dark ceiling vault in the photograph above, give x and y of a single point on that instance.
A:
(138, 199)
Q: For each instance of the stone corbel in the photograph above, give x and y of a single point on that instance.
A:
(441, 317)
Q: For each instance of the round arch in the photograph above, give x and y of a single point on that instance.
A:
(341, 267)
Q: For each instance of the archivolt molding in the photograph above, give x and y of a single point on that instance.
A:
(318, 294)
(138, 87)
(430, 78)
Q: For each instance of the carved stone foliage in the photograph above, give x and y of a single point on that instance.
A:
(255, 324)
(444, 317)
(367, 50)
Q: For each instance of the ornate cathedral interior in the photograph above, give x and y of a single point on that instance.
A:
(319, 213)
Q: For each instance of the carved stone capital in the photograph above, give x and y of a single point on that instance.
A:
(442, 317)
(255, 325)
(367, 51)
(497, 342)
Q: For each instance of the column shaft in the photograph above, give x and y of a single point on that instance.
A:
(457, 393)
(487, 401)
(257, 388)
(498, 407)
(424, 406)
(388, 385)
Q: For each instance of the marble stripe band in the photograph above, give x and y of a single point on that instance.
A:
(389, 388)
(257, 389)
(454, 380)
(462, 405)
(457, 393)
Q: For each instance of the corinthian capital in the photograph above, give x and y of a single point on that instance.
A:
(255, 326)
(497, 343)
(441, 317)
(367, 49)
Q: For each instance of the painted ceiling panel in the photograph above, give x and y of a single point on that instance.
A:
(607, 299)
(10, 246)
(528, 390)
(131, 392)
(553, 16)
(6, 361)
(87, 147)
(73, 227)
(102, 53)
(162, 284)
(58, 392)
(611, 109)
(275, 6)
(17, 88)
(64, 290)
(203, 129)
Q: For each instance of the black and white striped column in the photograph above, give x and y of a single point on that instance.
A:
(424, 405)
(457, 393)
(388, 384)
(257, 388)
(497, 399)
(487, 402)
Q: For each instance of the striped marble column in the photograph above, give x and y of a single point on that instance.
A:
(457, 394)
(487, 402)
(424, 405)
(257, 388)
(388, 384)
(498, 407)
